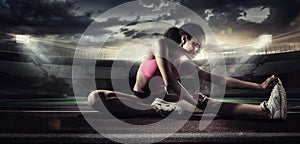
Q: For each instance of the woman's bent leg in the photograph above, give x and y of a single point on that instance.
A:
(112, 102)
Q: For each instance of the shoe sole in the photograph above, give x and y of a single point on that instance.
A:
(283, 100)
(168, 104)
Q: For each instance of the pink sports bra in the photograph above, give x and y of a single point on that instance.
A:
(150, 69)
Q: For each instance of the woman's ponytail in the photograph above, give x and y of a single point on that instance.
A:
(173, 34)
(188, 29)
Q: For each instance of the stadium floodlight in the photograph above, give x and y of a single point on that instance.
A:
(263, 40)
(22, 38)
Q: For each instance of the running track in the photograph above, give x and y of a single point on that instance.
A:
(60, 121)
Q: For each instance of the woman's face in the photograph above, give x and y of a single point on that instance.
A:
(193, 46)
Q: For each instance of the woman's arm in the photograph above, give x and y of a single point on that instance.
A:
(236, 83)
(165, 68)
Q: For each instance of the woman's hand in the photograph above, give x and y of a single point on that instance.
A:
(268, 82)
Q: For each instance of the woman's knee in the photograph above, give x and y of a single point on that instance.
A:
(96, 96)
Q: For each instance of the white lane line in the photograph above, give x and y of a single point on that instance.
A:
(147, 135)
(293, 112)
(33, 111)
(45, 111)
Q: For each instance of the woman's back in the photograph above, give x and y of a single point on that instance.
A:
(149, 67)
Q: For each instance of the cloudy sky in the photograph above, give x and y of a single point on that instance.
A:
(116, 28)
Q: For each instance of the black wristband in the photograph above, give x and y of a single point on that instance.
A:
(169, 91)
(202, 101)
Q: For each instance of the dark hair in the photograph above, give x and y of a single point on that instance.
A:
(188, 29)
(173, 34)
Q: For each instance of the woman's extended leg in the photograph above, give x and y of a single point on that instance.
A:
(275, 107)
(226, 108)
(231, 109)
(112, 102)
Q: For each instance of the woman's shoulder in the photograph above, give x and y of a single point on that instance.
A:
(162, 40)
(159, 45)
(167, 41)
(166, 47)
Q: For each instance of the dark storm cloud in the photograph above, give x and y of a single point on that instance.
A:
(113, 21)
(129, 32)
(123, 29)
(60, 17)
(98, 6)
(3, 4)
(139, 22)
(41, 17)
(134, 33)
(100, 28)
(137, 34)
(105, 4)
(172, 15)
(226, 12)
(283, 12)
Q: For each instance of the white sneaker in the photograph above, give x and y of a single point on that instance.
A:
(165, 108)
(277, 103)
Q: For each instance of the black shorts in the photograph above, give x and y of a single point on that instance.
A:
(148, 97)
(141, 95)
